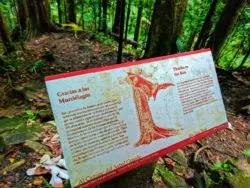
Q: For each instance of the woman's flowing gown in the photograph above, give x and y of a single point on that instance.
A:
(143, 90)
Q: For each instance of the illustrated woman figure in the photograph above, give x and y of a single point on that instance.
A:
(143, 90)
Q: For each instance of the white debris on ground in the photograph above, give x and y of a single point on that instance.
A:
(56, 166)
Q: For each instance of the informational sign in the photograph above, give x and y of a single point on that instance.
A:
(116, 118)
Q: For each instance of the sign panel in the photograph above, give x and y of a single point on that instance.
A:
(116, 118)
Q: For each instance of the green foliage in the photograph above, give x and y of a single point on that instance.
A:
(72, 26)
(222, 166)
(10, 63)
(8, 9)
(106, 40)
(220, 171)
(246, 152)
(29, 114)
(237, 44)
(37, 65)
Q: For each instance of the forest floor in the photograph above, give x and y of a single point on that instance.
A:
(25, 106)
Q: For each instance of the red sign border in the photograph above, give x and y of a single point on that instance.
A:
(123, 169)
(126, 64)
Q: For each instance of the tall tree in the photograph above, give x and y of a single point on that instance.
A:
(94, 14)
(166, 26)
(65, 11)
(138, 21)
(127, 19)
(100, 15)
(204, 33)
(121, 29)
(34, 16)
(5, 35)
(71, 11)
(116, 25)
(59, 11)
(82, 14)
(105, 12)
(47, 5)
(22, 14)
(226, 22)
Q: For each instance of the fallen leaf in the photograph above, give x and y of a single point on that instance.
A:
(11, 160)
(180, 174)
(41, 171)
(38, 181)
(4, 185)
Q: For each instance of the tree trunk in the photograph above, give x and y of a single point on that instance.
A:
(117, 22)
(99, 15)
(71, 17)
(190, 41)
(37, 20)
(94, 13)
(22, 13)
(5, 35)
(127, 19)
(65, 11)
(82, 13)
(244, 59)
(204, 33)
(122, 15)
(138, 21)
(104, 19)
(226, 22)
(47, 5)
(59, 11)
(166, 25)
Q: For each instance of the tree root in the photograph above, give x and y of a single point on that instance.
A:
(198, 152)
(210, 147)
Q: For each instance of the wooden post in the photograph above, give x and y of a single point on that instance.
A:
(119, 56)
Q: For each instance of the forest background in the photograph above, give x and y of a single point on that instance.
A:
(152, 28)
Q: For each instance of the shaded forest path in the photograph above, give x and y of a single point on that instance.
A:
(73, 53)
(62, 52)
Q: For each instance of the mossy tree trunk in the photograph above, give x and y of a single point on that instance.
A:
(166, 26)
(5, 34)
(204, 33)
(244, 60)
(227, 20)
